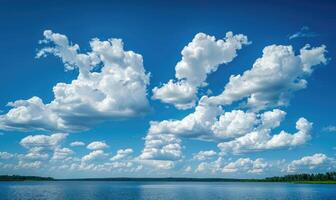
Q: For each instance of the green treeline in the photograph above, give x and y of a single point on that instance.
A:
(24, 178)
(329, 176)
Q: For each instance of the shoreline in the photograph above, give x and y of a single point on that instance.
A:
(170, 180)
(328, 178)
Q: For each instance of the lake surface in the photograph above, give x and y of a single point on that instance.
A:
(100, 190)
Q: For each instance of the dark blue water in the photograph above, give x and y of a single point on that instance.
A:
(162, 190)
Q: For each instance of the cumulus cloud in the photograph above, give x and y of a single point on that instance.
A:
(196, 124)
(246, 165)
(203, 155)
(188, 169)
(112, 84)
(77, 143)
(273, 77)
(161, 151)
(29, 165)
(46, 141)
(200, 57)
(5, 155)
(40, 147)
(241, 165)
(270, 83)
(158, 164)
(234, 123)
(29, 114)
(237, 130)
(36, 153)
(263, 140)
(97, 154)
(45, 152)
(161, 147)
(308, 163)
(211, 122)
(62, 153)
(122, 153)
(97, 145)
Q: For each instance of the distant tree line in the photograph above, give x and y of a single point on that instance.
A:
(329, 176)
(24, 178)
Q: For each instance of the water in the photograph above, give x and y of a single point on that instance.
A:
(101, 190)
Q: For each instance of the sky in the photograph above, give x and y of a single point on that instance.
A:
(154, 89)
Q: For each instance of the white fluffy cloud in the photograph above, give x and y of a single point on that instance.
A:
(29, 165)
(158, 164)
(246, 165)
(211, 122)
(62, 153)
(122, 153)
(96, 145)
(268, 84)
(273, 77)
(201, 57)
(40, 147)
(5, 155)
(262, 139)
(77, 143)
(161, 151)
(112, 84)
(246, 131)
(29, 115)
(36, 153)
(203, 155)
(196, 124)
(234, 123)
(241, 165)
(97, 154)
(308, 163)
(46, 141)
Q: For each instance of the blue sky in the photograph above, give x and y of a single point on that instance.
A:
(290, 83)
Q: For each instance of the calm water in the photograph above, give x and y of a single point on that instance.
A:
(162, 190)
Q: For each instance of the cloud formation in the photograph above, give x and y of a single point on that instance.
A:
(310, 163)
(330, 128)
(201, 57)
(77, 144)
(96, 154)
(246, 165)
(273, 78)
(204, 155)
(303, 33)
(111, 84)
(96, 145)
(262, 139)
(269, 84)
(122, 153)
(5, 155)
(45, 141)
(241, 165)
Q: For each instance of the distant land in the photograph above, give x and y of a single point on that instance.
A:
(24, 178)
(319, 178)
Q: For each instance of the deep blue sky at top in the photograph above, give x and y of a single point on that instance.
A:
(159, 30)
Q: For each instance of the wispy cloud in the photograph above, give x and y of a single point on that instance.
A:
(303, 33)
(329, 128)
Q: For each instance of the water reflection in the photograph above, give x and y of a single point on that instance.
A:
(162, 190)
